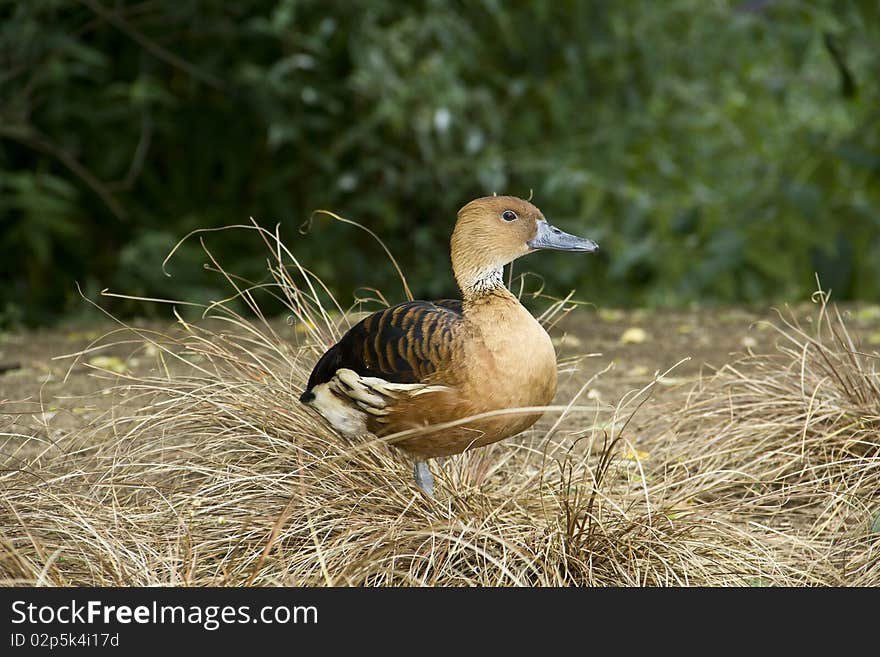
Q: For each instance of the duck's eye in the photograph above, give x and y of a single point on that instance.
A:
(508, 215)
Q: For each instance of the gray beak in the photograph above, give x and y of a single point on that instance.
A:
(550, 237)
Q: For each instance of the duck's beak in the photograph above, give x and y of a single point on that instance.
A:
(550, 237)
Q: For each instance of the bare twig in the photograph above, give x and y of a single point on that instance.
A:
(33, 138)
(152, 47)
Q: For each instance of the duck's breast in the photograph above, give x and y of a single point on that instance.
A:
(509, 363)
(515, 364)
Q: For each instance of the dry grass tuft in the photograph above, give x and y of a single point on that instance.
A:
(208, 471)
(790, 442)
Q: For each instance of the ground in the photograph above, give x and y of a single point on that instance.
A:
(42, 381)
(212, 473)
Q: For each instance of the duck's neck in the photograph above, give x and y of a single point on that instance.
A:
(478, 271)
(484, 287)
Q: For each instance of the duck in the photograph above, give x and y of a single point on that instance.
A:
(419, 364)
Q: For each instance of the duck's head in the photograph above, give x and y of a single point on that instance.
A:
(496, 230)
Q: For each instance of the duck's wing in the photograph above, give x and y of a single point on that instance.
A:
(405, 343)
(389, 355)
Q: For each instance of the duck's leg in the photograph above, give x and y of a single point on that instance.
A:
(424, 478)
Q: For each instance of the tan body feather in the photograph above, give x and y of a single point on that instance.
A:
(500, 358)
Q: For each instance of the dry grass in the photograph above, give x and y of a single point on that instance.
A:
(790, 441)
(209, 472)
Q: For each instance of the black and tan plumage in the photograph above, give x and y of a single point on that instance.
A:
(424, 363)
(402, 344)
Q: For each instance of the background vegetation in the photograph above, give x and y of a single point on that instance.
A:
(718, 151)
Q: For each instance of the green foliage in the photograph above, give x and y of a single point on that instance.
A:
(719, 152)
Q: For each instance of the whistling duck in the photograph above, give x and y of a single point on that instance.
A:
(424, 363)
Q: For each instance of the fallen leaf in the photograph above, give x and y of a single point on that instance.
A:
(110, 363)
(610, 314)
(734, 315)
(76, 336)
(634, 335)
(567, 340)
(673, 380)
(637, 455)
(868, 313)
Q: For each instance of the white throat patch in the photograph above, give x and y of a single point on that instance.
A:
(491, 280)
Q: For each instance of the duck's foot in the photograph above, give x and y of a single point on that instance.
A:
(424, 478)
